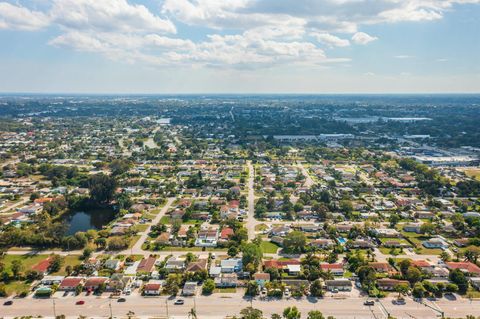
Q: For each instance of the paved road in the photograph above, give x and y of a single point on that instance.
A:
(251, 221)
(221, 305)
(308, 179)
(137, 248)
(21, 202)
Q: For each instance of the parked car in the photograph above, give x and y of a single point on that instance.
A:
(179, 302)
(80, 302)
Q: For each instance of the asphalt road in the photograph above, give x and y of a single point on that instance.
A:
(222, 305)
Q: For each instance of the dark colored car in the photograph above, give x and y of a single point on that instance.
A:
(121, 300)
(8, 303)
(80, 302)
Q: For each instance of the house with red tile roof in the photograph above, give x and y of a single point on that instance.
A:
(280, 264)
(71, 283)
(226, 233)
(335, 269)
(465, 266)
(93, 283)
(146, 264)
(42, 266)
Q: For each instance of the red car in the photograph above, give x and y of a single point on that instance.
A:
(80, 302)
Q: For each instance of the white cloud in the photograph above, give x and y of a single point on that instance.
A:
(403, 56)
(363, 38)
(108, 15)
(21, 18)
(241, 33)
(331, 40)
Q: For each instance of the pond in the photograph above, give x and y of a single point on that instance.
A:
(88, 219)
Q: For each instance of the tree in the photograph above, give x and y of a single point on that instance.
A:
(252, 255)
(251, 313)
(291, 313)
(252, 288)
(87, 252)
(172, 284)
(444, 256)
(117, 243)
(452, 288)
(55, 263)
(427, 228)
(16, 267)
(418, 290)
(208, 286)
(413, 275)
(472, 253)
(402, 289)
(294, 242)
(458, 278)
(232, 251)
(404, 265)
(316, 288)
(102, 188)
(315, 314)
(118, 166)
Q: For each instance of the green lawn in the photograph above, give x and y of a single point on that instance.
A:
(133, 240)
(16, 287)
(71, 260)
(28, 261)
(225, 290)
(269, 247)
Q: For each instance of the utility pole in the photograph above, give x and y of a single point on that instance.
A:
(54, 310)
(166, 305)
(110, 306)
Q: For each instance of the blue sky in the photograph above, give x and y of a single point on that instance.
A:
(240, 46)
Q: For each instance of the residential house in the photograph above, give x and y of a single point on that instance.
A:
(335, 269)
(232, 265)
(436, 242)
(467, 267)
(93, 283)
(207, 238)
(261, 278)
(153, 287)
(322, 243)
(339, 284)
(146, 265)
(71, 283)
(197, 266)
(412, 227)
(175, 264)
(390, 284)
(226, 280)
(189, 288)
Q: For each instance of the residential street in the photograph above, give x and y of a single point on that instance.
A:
(137, 248)
(251, 221)
(222, 305)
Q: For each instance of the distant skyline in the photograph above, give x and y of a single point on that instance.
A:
(240, 46)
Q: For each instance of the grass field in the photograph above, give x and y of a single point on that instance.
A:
(269, 247)
(225, 290)
(474, 173)
(16, 287)
(71, 260)
(28, 261)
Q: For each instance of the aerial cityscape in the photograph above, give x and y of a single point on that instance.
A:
(240, 159)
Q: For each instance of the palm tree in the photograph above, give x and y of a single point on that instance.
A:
(192, 314)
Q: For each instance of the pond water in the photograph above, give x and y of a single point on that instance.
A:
(88, 219)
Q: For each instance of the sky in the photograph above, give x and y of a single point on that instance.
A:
(240, 46)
